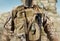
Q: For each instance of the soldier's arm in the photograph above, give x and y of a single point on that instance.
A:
(49, 29)
(8, 27)
(6, 30)
(14, 15)
(14, 12)
(8, 23)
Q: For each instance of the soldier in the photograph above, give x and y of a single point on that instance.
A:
(26, 22)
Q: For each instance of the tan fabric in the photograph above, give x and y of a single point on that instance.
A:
(22, 24)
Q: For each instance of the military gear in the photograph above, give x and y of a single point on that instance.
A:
(25, 24)
(19, 23)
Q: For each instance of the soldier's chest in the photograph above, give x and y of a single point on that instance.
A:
(30, 14)
(23, 15)
(27, 13)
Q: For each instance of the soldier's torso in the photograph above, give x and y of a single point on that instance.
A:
(25, 23)
(27, 15)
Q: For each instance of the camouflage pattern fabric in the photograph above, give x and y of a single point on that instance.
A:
(26, 26)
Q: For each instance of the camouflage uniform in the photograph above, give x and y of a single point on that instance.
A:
(26, 22)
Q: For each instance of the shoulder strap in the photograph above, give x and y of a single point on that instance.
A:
(7, 21)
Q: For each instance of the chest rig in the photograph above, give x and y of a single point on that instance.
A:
(28, 21)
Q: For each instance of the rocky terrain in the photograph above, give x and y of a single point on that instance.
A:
(55, 17)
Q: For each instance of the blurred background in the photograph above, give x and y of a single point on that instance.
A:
(8, 5)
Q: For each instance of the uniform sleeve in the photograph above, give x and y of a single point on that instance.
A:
(8, 26)
(12, 20)
(6, 30)
(49, 28)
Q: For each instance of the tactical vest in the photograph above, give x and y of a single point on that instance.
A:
(26, 25)
(28, 21)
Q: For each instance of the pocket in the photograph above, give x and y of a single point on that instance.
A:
(19, 26)
(34, 32)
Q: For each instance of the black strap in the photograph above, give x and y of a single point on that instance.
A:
(7, 21)
(39, 22)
